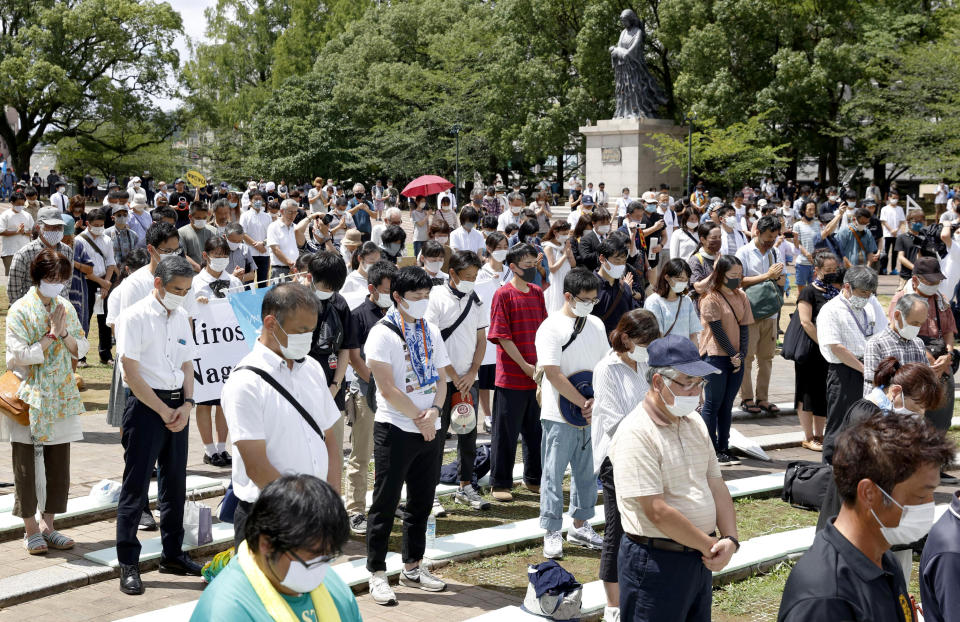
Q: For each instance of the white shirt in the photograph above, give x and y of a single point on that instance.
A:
(583, 354)
(60, 200)
(950, 266)
(463, 240)
(941, 193)
(602, 198)
(836, 325)
(449, 195)
(682, 246)
(283, 237)
(732, 241)
(444, 309)
(376, 236)
(892, 216)
(201, 286)
(256, 411)
(755, 264)
(670, 223)
(488, 282)
(622, 204)
(131, 289)
(11, 220)
(315, 199)
(159, 341)
(617, 390)
(354, 283)
(255, 225)
(385, 346)
(507, 218)
(105, 244)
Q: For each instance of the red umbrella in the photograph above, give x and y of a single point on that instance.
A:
(426, 185)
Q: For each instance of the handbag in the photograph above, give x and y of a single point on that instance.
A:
(197, 524)
(765, 300)
(11, 405)
(805, 484)
(797, 344)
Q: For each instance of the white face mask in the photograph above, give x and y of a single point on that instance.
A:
(383, 300)
(915, 522)
(50, 290)
(730, 221)
(199, 223)
(298, 345)
(322, 295)
(692, 224)
(638, 354)
(613, 270)
(465, 287)
(515, 209)
(442, 239)
(53, 237)
(18, 208)
(858, 302)
(927, 290)
(851, 203)
(582, 309)
(682, 405)
(121, 220)
(603, 229)
(499, 255)
(562, 238)
(893, 201)
(171, 302)
(233, 245)
(96, 231)
(679, 286)
(907, 331)
(219, 264)
(416, 308)
(433, 266)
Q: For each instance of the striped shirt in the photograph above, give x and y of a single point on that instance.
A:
(617, 390)
(124, 241)
(889, 343)
(516, 316)
(807, 234)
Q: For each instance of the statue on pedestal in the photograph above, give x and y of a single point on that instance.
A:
(638, 94)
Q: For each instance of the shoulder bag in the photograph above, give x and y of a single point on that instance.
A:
(538, 371)
(765, 298)
(448, 331)
(286, 394)
(797, 344)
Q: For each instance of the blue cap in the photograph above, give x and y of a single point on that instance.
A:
(680, 354)
(582, 381)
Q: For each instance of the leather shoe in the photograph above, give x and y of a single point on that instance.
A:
(181, 565)
(130, 582)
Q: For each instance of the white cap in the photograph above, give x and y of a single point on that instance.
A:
(650, 197)
(270, 187)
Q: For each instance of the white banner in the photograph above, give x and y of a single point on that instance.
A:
(220, 346)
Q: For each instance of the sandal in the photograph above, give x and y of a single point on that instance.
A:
(770, 407)
(56, 540)
(35, 544)
(750, 406)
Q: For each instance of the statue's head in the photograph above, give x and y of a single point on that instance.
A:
(628, 18)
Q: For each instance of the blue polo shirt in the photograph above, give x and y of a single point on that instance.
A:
(847, 240)
(940, 568)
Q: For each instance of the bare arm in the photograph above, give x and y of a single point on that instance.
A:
(275, 249)
(258, 467)
(846, 357)
(383, 374)
(805, 309)
(675, 525)
(567, 390)
(359, 365)
(143, 391)
(334, 460)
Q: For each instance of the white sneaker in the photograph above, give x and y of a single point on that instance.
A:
(437, 510)
(553, 545)
(585, 536)
(611, 614)
(488, 423)
(380, 589)
(421, 579)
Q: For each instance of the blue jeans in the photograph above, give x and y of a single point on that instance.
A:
(565, 444)
(417, 247)
(718, 398)
(804, 274)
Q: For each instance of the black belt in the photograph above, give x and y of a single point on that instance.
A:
(172, 395)
(664, 544)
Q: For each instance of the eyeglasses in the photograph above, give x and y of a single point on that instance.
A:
(314, 563)
(697, 384)
(592, 301)
(168, 251)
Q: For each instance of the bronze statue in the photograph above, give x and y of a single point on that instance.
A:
(638, 94)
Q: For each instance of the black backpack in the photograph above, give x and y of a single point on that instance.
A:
(805, 484)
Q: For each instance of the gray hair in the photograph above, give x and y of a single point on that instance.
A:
(861, 277)
(358, 187)
(515, 196)
(173, 266)
(286, 298)
(233, 228)
(220, 203)
(822, 256)
(289, 203)
(666, 372)
(476, 193)
(391, 212)
(907, 303)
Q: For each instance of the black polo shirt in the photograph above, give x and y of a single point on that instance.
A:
(334, 332)
(610, 308)
(364, 317)
(940, 567)
(835, 581)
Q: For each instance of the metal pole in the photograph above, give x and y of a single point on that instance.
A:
(689, 149)
(456, 192)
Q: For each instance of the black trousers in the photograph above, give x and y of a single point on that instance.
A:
(844, 387)
(663, 586)
(613, 529)
(263, 268)
(105, 345)
(466, 443)
(240, 515)
(147, 441)
(515, 413)
(400, 458)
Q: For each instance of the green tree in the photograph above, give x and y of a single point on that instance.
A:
(69, 66)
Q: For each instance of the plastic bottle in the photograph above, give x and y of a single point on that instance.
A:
(431, 531)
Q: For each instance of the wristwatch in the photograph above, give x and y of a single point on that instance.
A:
(191, 400)
(736, 542)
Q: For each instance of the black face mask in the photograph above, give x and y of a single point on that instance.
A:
(832, 278)
(528, 274)
(732, 283)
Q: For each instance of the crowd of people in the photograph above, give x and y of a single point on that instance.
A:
(613, 342)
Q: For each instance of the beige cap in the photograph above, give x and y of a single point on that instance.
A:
(352, 238)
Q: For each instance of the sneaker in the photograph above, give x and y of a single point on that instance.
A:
(502, 494)
(812, 445)
(611, 614)
(380, 589)
(488, 423)
(469, 496)
(401, 508)
(437, 510)
(358, 524)
(725, 459)
(147, 522)
(553, 545)
(948, 480)
(585, 536)
(421, 579)
(227, 460)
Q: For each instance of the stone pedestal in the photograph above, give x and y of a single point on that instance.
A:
(618, 156)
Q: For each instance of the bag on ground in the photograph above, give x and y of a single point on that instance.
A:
(552, 592)
(197, 524)
(805, 484)
(106, 491)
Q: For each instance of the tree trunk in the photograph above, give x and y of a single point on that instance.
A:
(822, 168)
(560, 171)
(880, 174)
(832, 164)
(791, 172)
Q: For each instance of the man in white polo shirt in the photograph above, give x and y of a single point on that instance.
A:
(282, 241)
(255, 222)
(272, 433)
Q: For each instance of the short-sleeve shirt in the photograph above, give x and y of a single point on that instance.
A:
(334, 332)
(839, 323)
(446, 306)
(734, 313)
(907, 245)
(807, 234)
(583, 354)
(210, 287)
(102, 259)
(255, 225)
(940, 566)
(674, 460)
(889, 343)
(678, 316)
(11, 221)
(463, 240)
(360, 217)
(939, 322)
(516, 316)
(385, 346)
(192, 240)
(613, 300)
(856, 252)
(159, 341)
(282, 236)
(892, 216)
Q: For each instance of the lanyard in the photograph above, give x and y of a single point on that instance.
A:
(423, 327)
(863, 329)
